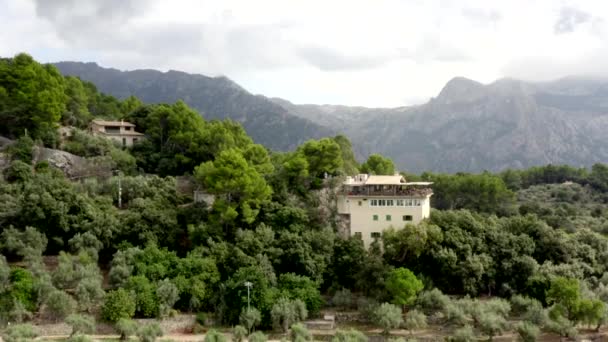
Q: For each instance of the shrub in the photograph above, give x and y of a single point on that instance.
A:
(492, 324)
(388, 316)
(257, 336)
(562, 326)
(415, 319)
(118, 304)
(300, 333)
(149, 332)
(527, 331)
(239, 333)
(19, 333)
(167, 294)
(81, 324)
(349, 336)
(285, 312)
(125, 327)
(214, 336)
(367, 306)
(433, 300)
(250, 318)
(464, 334)
(343, 299)
(79, 338)
(455, 314)
(59, 305)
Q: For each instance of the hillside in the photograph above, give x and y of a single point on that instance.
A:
(472, 127)
(216, 97)
(469, 126)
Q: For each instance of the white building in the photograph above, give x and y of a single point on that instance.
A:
(121, 131)
(372, 204)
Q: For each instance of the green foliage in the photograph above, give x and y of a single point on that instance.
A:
(239, 333)
(349, 165)
(403, 286)
(432, 301)
(19, 333)
(81, 324)
(149, 332)
(18, 171)
(59, 305)
(415, 319)
(378, 165)
(527, 332)
(167, 294)
(343, 299)
(286, 312)
(492, 324)
(294, 286)
(562, 326)
(239, 189)
(22, 149)
(31, 98)
(257, 336)
(22, 288)
(118, 304)
(299, 333)
(79, 338)
(125, 327)
(250, 318)
(214, 336)
(464, 334)
(388, 316)
(323, 156)
(146, 300)
(349, 336)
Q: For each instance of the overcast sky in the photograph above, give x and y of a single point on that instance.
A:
(371, 53)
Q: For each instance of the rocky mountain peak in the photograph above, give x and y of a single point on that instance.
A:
(461, 89)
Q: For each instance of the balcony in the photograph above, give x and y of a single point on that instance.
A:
(393, 191)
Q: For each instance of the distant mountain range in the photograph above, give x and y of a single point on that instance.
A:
(469, 126)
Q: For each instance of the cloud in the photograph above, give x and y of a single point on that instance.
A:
(327, 59)
(569, 19)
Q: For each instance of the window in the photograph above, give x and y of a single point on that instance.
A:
(358, 235)
(375, 235)
(124, 141)
(400, 203)
(382, 203)
(388, 217)
(375, 217)
(407, 217)
(360, 203)
(127, 128)
(408, 202)
(373, 203)
(389, 203)
(417, 202)
(134, 140)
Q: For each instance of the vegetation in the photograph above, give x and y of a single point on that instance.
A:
(525, 235)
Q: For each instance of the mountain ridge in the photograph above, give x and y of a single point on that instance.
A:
(468, 126)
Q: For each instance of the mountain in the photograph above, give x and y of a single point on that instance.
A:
(215, 97)
(470, 126)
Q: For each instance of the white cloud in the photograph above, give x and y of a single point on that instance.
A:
(374, 53)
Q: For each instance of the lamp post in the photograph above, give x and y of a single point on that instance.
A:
(248, 284)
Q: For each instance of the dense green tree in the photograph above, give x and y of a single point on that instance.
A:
(286, 312)
(167, 294)
(59, 305)
(378, 165)
(238, 187)
(403, 286)
(31, 98)
(323, 157)
(349, 165)
(118, 304)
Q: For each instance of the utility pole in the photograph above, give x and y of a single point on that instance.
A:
(248, 284)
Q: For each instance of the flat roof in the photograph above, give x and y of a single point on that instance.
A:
(363, 179)
(113, 123)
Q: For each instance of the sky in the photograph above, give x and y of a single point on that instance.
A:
(377, 53)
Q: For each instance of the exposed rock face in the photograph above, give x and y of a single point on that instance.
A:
(71, 165)
(469, 126)
(215, 97)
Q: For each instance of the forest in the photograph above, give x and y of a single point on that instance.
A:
(520, 253)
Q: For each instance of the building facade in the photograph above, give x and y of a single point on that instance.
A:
(120, 131)
(371, 204)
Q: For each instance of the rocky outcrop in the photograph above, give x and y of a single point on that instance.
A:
(71, 165)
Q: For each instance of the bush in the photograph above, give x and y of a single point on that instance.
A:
(22, 149)
(388, 316)
(455, 314)
(432, 301)
(349, 336)
(149, 332)
(19, 333)
(343, 299)
(464, 334)
(239, 333)
(81, 324)
(125, 327)
(250, 318)
(201, 318)
(79, 338)
(285, 312)
(257, 336)
(562, 326)
(492, 324)
(214, 336)
(415, 319)
(59, 305)
(367, 306)
(300, 333)
(118, 304)
(18, 171)
(527, 331)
